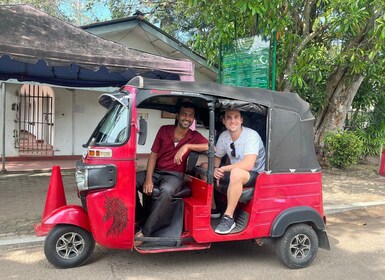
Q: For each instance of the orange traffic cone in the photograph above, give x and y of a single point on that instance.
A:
(55, 196)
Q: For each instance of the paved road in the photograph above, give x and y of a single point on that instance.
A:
(356, 237)
(22, 197)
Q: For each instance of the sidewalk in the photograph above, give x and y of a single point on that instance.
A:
(21, 166)
(23, 194)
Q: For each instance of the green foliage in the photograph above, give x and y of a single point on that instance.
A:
(51, 7)
(373, 141)
(116, 8)
(368, 118)
(319, 43)
(310, 69)
(342, 149)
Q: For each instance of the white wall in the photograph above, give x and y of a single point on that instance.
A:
(87, 114)
(77, 114)
(133, 41)
(154, 122)
(10, 124)
(62, 143)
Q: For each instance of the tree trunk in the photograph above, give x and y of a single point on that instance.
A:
(341, 90)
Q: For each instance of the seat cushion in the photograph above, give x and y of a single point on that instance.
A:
(246, 196)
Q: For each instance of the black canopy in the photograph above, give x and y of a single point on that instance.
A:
(289, 133)
(35, 46)
(271, 99)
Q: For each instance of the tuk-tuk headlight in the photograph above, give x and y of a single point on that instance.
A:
(91, 177)
(82, 179)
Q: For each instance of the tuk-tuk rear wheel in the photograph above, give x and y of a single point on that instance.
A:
(68, 246)
(298, 247)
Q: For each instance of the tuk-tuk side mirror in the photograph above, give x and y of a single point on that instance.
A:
(142, 131)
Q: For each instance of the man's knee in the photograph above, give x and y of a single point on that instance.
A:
(169, 189)
(239, 175)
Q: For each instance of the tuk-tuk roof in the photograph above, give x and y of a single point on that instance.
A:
(290, 143)
(271, 99)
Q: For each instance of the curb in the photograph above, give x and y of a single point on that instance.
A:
(348, 207)
(40, 172)
(35, 171)
(16, 240)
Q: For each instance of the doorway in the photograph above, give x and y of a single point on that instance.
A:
(35, 121)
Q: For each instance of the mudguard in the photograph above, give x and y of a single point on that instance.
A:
(68, 214)
(302, 214)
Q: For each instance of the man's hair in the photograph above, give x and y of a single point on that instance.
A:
(231, 109)
(185, 105)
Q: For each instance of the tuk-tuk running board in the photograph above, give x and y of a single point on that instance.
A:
(166, 244)
(166, 240)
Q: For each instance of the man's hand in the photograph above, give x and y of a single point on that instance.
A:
(148, 187)
(219, 173)
(179, 154)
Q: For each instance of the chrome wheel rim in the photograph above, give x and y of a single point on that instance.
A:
(70, 245)
(300, 246)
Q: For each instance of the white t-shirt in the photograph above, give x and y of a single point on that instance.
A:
(248, 143)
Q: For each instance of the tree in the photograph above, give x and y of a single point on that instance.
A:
(51, 7)
(368, 116)
(328, 45)
(116, 8)
(326, 48)
(358, 27)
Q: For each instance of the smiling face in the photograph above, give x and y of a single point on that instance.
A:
(185, 117)
(233, 121)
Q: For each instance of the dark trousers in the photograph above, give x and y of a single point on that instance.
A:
(159, 216)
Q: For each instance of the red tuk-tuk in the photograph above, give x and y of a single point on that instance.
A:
(285, 205)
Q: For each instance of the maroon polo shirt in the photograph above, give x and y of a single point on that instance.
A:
(166, 150)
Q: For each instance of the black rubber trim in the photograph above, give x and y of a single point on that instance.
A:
(100, 176)
(296, 215)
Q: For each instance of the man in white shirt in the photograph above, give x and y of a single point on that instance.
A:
(247, 155)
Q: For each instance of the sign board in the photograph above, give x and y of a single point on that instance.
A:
(246, 63)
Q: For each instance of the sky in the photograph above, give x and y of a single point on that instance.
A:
(76, 10)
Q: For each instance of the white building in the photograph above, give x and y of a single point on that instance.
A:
(41, 119)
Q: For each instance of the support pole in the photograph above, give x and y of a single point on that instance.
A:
(211, 152)
(220, 63)
(3, 170)
(274, 62)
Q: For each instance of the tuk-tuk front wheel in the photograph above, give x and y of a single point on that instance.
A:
(298, 247)
(68, 246)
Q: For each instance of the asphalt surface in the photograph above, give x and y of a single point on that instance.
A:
(357, 252)
(354, 203)
(23, 195)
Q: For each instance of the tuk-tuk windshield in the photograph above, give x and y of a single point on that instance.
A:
(113, 128)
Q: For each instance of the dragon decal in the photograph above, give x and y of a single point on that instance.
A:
(116, 210)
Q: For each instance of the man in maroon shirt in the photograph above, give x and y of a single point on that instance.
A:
(166, 166)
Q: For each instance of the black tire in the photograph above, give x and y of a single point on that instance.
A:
(68, 246)
(298, 247)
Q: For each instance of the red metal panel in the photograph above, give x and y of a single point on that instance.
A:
(112, 211)
(69, 214)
